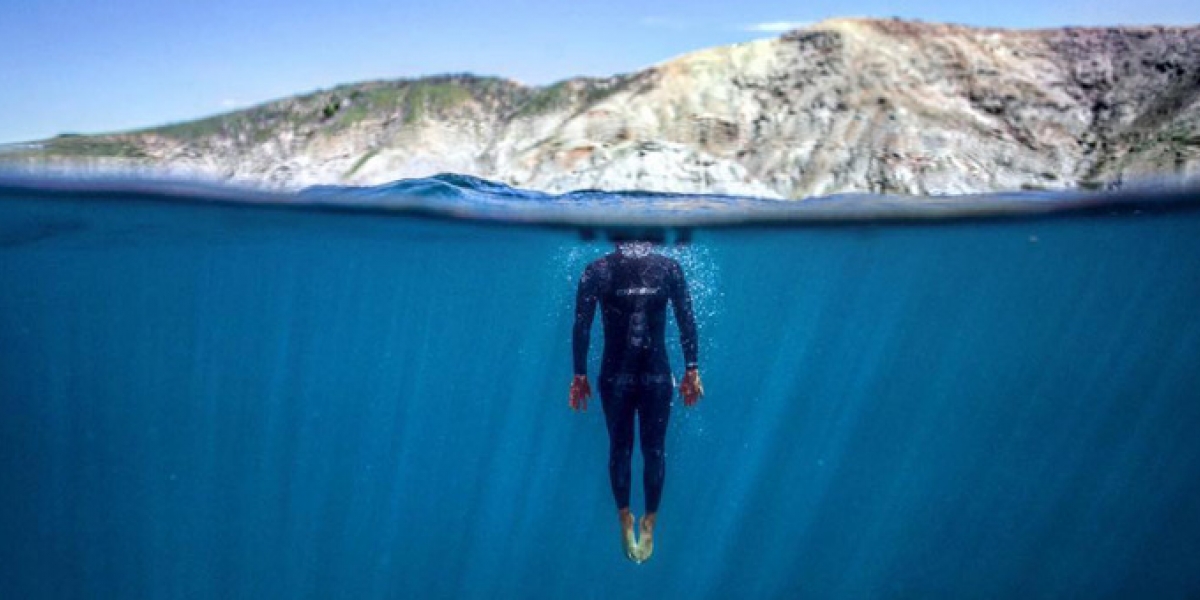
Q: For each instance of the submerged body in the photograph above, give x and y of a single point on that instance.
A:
(633, 287)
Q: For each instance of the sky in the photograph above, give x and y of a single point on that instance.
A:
(88, 66)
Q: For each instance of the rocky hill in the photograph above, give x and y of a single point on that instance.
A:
(848, 105)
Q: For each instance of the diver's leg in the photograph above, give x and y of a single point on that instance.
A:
(654, 411)
(618, 415)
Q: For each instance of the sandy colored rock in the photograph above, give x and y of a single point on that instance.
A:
(847, 105)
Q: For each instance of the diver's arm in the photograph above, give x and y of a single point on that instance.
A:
(681, 300)
(585, 311)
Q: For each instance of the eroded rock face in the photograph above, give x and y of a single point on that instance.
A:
(847, 105)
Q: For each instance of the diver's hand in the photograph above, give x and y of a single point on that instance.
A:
(692, 388)
(581, 390)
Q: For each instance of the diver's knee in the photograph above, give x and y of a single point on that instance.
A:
(620, 452)
(654, 455)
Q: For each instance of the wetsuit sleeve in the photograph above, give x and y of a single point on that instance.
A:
(681, 300)
(585, 310)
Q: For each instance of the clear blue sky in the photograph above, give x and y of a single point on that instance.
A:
(92, 66)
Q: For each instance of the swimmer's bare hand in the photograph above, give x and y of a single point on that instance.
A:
(581, 390)
(692, 388)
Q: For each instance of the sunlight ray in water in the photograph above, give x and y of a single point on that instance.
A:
(210, 392)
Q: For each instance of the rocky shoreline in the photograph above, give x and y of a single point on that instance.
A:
(847, 105)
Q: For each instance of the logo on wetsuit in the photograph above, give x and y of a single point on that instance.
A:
(641, 291)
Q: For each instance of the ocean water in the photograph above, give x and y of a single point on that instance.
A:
(208, 392)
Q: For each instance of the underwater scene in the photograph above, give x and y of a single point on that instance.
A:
(209, 391)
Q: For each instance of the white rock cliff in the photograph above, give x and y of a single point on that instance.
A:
(848, 105)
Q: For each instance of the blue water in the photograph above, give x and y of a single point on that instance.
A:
(204, 398)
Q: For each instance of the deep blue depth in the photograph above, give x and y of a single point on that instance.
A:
(246, 402)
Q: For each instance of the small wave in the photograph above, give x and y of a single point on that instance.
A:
(460, 196)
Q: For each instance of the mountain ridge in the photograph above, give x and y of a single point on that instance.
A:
(845, 105)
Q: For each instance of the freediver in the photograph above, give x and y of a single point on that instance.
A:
(633, 285)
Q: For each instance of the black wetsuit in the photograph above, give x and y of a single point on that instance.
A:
(635, 375)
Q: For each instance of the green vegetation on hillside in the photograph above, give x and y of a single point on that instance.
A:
(362, 160)
(572, 92)
(386, 104)
(546, 99)
(433, 99)
(409, 100)
(77, 146)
